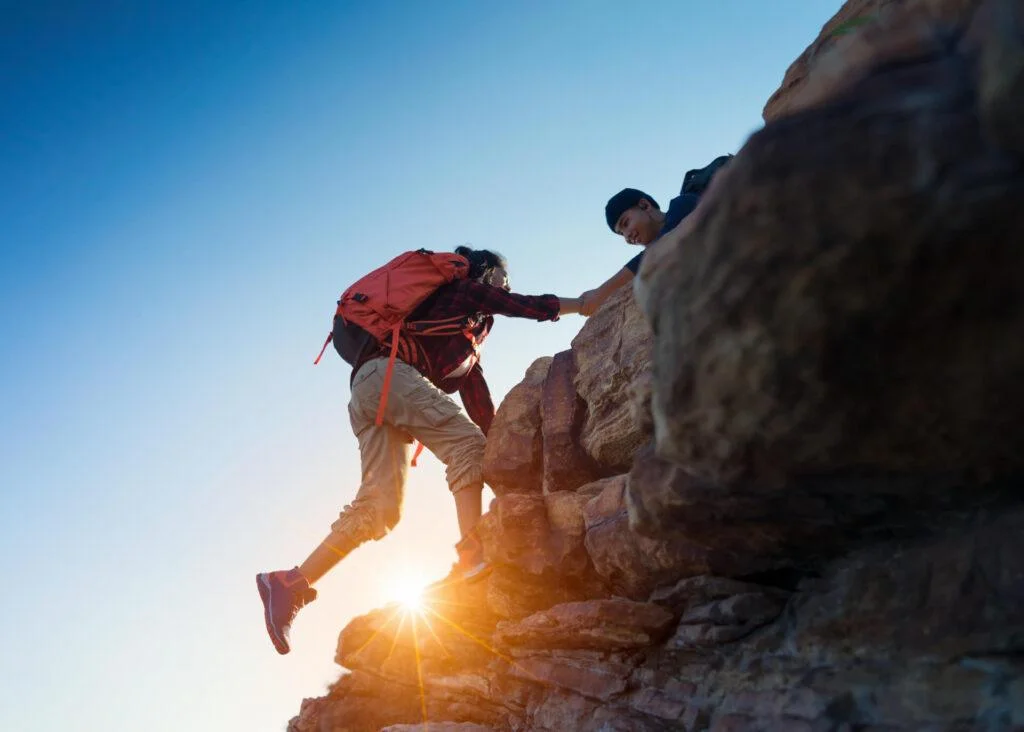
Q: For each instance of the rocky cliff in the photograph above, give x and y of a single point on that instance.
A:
(782, 487)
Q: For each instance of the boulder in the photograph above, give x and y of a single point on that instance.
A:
(612, 352)
(864, 34)
(568, 527)
(513, 457)
(630, 564)
(516, 533)
(873, 325)
(566, 464)
(581, 675)
(512, 594)
(614, 624)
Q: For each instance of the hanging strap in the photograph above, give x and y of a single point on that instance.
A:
(329, 337)
(416, 453)
(387, 375)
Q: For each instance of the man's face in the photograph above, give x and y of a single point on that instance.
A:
(640, 224)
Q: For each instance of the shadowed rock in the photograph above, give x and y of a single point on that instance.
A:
(513, 457)
(872, 324)
(612, 352)
(567, 466)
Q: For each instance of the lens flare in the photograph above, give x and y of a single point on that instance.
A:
(408, 592)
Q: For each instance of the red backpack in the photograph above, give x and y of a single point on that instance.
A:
(375, 308)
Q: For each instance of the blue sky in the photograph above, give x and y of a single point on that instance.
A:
(186, 187)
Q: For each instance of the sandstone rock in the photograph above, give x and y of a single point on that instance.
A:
(638, 396)
(616, 718)
(567, 530)
(725, 620)
(948, 597)
(539, 561)
(612, 351)
(565, 512)
(561, 711)
(633, 565)
(746, 529)
(513, 595)
(361, 708)
(521, 533)
(513, 457)
(862, 35)
(399, 644)
(705, 635)
(999, 32)
(600, 681)
(872, 325)
(606, 501)
(696, 592)
(661, 695)
(433, 726)
(608, 625)
(566, 465)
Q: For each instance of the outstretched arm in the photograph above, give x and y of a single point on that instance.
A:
(476, 297)
(593, 299)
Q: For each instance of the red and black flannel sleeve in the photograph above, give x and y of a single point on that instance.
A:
(471, 296)
(476, 398)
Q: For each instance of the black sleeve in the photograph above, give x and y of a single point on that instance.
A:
(633, 265)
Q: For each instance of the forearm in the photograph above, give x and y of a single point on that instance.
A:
(593, 299)
(569, 305)
(619, 279)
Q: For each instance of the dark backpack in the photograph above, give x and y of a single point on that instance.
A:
(697, 180)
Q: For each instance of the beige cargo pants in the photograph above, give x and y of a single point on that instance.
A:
(415, 409)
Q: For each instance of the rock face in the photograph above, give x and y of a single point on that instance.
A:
(872, 325)
(613, 354)
(513, 458)
(566, 464)
(796, 499)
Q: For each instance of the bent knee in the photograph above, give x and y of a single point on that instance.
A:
(364, 521)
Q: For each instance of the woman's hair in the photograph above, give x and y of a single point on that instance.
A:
(481, 260)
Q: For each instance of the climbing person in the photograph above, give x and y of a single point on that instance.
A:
(400, 387)
(637, 218)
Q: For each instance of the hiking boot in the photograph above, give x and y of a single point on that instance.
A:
(471, 567)
(283, 593)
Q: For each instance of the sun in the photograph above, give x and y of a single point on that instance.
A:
(408, 592)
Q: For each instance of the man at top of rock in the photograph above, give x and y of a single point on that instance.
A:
(426, 371)
(637, 218)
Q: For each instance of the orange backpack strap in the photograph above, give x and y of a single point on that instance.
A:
(416, 454)
(330, 337)
(387, 375)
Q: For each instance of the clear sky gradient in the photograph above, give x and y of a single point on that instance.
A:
(186, 188)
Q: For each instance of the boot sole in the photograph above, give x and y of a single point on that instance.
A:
(263, 585)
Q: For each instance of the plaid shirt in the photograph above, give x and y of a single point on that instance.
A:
(437, 356)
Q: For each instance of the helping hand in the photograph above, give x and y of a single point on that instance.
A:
(589, 303)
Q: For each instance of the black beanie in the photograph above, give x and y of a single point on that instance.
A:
(622, 202)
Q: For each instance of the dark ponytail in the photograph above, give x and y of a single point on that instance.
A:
(481, 260)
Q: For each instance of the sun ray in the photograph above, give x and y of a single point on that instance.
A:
(376, 633)
(485, 645)
(426, 622)
(394, 639)
(419, 672)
